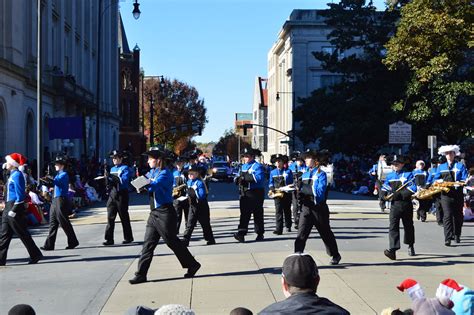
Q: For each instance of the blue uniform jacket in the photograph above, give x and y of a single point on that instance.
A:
(431, 173)
(198, 186)
(61, 184)
(124, 175)
(421, 177)
(319, 183)
(396, 179)
(373, 170)
(16, 187)
(457, 172)
(256, 170)
(178, 178)
(280, 178)
(161, 186)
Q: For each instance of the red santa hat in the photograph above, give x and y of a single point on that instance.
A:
(413, 289)
(447, 287)
(15, 159)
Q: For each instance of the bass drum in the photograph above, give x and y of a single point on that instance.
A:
(416, 204)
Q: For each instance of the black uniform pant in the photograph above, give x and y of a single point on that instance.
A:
(423, 209)
(382, 194)
(296, 205)
(317, 216)
(439, 209)
(452, 204)
(181, 207)
(283, 210)
(19, 226)
(251, 202)
(162, 224)
(401, 210)
(199, 213)
(118, 204)
(59, 217)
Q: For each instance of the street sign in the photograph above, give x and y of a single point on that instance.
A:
(432, 142)
(399, 133)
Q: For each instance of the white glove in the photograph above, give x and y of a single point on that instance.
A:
(11, 214)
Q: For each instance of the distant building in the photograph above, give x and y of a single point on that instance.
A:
(130, 137)
(294, 73)
(245, 134)
(69, 50)
(260, 105)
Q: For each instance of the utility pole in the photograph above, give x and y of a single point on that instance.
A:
(39, 105)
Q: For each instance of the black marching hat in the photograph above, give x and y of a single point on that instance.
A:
(157, 152)
(116, 153)
(276, 157)
(295, 156)
(60, 159)
(251, 151)
(194, 168)
(398, 158)
(194, 154)
(322, 156)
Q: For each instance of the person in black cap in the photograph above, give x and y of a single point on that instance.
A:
(297, 167)
(22, 309)
(315, 211)
(60, 208)
(435, 162)
(118, 199)
(400, 186)
(180, 202)
(199, 207)
(280, 177)
(252, 194)
(300, 280)
(162, 220)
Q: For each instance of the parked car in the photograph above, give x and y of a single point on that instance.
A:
(221, 171)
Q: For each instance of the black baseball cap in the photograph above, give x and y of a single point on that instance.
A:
(300, 270)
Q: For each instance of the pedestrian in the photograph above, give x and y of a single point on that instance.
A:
(399, 187)
(60, 208)
(117, 203)
(451, 174)
(251, 179)
(279, 178)
(315, 211)
(297, 167)
(14, 217)
(198, 207)
(162, 219)
(421, 177)
(180, 200)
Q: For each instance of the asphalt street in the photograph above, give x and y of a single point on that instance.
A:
(82, 280)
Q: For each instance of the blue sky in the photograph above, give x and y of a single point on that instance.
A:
(217, 46)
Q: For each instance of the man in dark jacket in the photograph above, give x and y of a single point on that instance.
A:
(300, 279)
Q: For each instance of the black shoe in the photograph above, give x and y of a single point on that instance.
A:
(277, 232)
(457, 239)
(137, 279)
(423, 219)
(296, 226)
(259, 238)
(192, 271)
(335, 259)
(46, 248)
(440, 223)
(72, 246)
(35, 260)
(211, 242)
(239, 237)
(411, 251)
(452, 238)
(391, 254)
(108, 243)
(288, 229)
(447, 243)
(127, 241)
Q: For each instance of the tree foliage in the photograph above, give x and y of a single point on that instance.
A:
(355, 112)
(433, 42)
(228, 145)
(175, 104)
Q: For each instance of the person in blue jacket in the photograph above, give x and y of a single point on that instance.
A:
(315, 211)
(120, 177)
(60, 208)
(297, 167)
(421, 182)
(251, 178)
(180, 175)
(198, 207)
(402, 206)
(452, 201)
(14, 218)
(162, 219)
(435, 162)
(279, 178)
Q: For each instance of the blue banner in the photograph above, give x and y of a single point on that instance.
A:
(66, 128)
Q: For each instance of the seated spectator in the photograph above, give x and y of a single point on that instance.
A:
(21, 309)
(300, 279)
(241, 311)
(169, 309)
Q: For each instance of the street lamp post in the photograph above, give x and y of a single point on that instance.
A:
(293, 104)
(39, 105)
(152, 134)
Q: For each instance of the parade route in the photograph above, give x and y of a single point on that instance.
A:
(93, 279)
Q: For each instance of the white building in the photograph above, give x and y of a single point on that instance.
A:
(260, 99)
(69, 50)
(293, 72)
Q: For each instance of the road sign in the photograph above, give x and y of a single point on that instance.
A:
(399, 133)
(432, 142)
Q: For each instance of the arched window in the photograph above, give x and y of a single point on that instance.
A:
(30, 149)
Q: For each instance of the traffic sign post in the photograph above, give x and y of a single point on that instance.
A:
(432, 144)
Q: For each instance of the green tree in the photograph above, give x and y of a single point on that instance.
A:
(228, 145)
(433, 42)
(353, 114)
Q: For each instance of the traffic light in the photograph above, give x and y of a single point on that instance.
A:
(200, 131)
(246, 126)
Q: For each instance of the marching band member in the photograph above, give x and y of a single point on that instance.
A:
(451, 202)
(421, 177)
(180, 204)
(435, 162)
(280, 177)
(315, 211)
(162, 219)
(297, 167)
(400, 184)
(14, 220)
